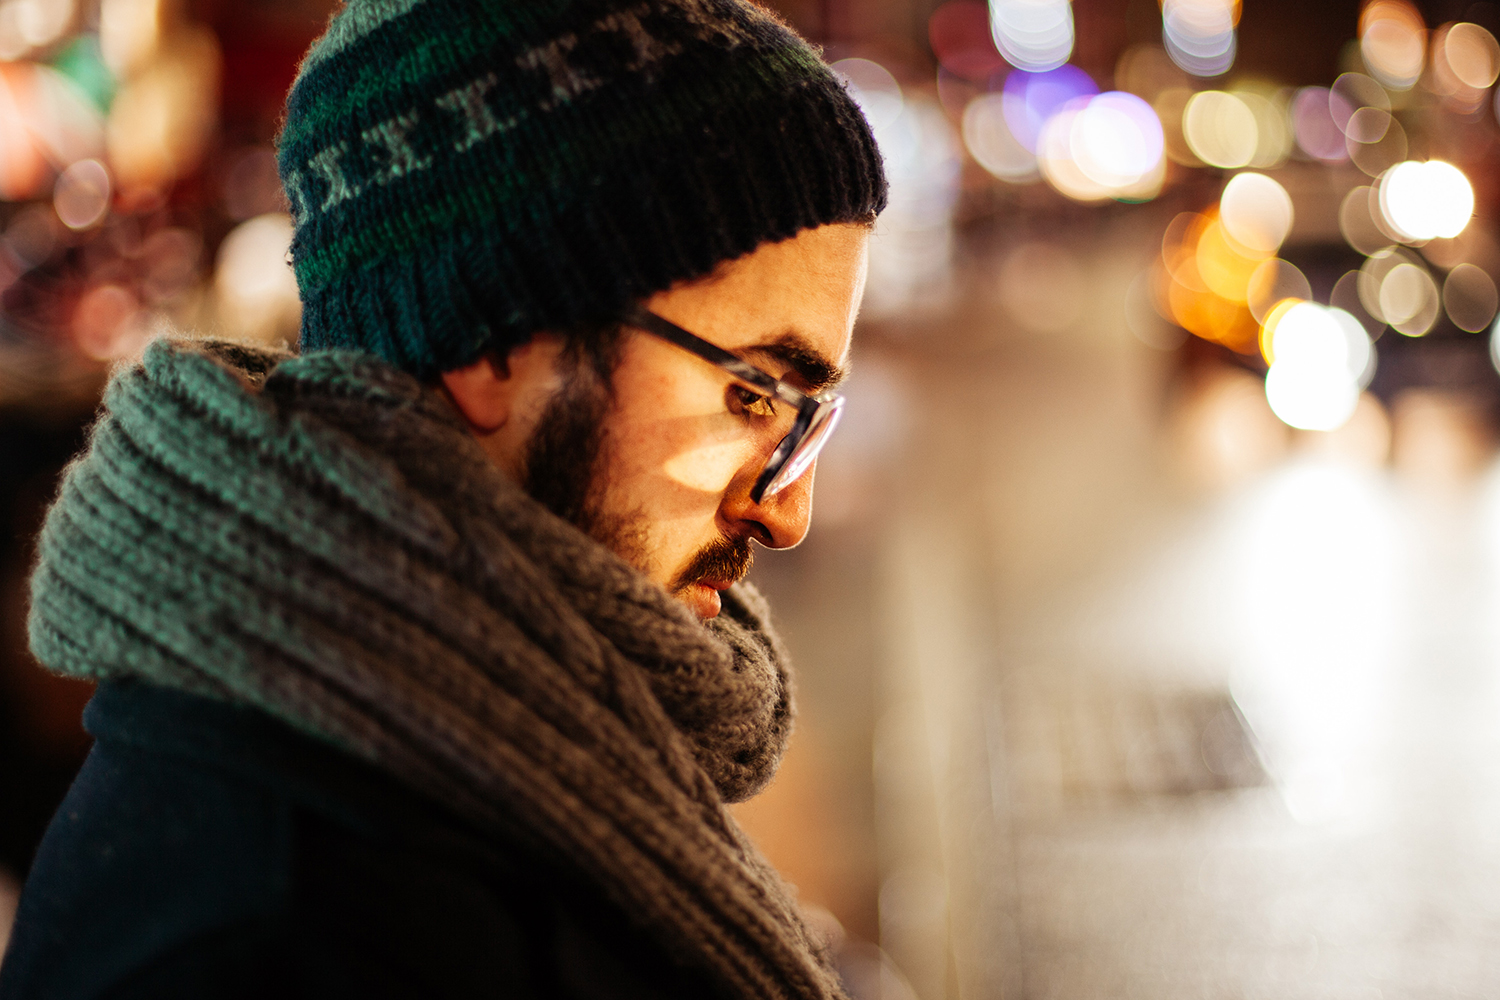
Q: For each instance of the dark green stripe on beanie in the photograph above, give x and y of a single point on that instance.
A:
(465, 173)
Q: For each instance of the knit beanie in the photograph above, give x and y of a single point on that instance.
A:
(465, 173)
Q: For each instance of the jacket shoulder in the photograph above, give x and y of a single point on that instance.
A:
(209, 851)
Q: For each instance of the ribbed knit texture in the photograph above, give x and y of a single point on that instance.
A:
(323, 539)
(466, 173)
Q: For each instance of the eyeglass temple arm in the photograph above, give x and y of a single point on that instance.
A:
(736, 366)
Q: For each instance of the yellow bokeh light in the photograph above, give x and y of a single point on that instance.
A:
(1220, 129)
(1273, 132)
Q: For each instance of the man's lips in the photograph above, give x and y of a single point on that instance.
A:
(703, 599)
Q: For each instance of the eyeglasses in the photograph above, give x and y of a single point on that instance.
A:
(817, 416)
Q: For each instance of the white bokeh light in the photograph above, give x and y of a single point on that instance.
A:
(1256, 212)
(1199, 34)
(1034, 35)
(1425, 201)
(1320, 359)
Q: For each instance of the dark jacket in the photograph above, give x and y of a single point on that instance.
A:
(208, 851)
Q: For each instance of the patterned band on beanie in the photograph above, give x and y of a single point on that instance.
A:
(464, 173)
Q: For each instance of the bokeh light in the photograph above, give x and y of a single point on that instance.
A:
(1375, 141)
(1203, 282)
(162, 118)
(1345, 296)
(1396, 288)
(1107, 146)
(1422, 201)
(1353, 91)
(1199, 35)
(1465, 61)
(107, 323)
(1275, 281)
(1170, 106)
(1469, 298)
(1316, 113)
(33, 236)
(1031, 99)
(1256, 212)
(988, 138)
(129, 33)
(1358, 226)
(1393, 42)
(170, 260)
(873, 88)
(33, 24)
(1033, 35)
(45, 120)
(1472, 54)
(1225, 267)
(1117, 142)
(1320, 359)
(254, 284)
(1273, 132)
(1220, 129)
(81, 196)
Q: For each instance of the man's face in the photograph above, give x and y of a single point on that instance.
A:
(659, 466)
(680, 450)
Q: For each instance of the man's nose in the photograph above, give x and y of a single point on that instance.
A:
(778, 522)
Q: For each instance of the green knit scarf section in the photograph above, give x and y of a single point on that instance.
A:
(320, 537)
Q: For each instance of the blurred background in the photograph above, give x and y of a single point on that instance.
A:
(1147, 634)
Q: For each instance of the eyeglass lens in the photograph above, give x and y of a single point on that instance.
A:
(824, 420)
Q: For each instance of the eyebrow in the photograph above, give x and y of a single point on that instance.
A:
(814, 368)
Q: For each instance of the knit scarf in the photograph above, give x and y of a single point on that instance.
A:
(321, 537)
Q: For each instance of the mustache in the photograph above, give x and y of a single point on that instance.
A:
(726, 559)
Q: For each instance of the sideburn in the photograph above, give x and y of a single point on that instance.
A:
(564, 461)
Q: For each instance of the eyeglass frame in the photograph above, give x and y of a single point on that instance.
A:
(829, 404)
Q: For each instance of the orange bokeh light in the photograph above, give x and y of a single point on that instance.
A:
(1203, 282)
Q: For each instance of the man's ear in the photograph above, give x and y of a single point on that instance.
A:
(482, 392)
(494, 392)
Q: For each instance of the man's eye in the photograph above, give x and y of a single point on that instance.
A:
(753, 403)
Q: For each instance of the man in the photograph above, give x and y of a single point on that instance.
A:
(424, 666)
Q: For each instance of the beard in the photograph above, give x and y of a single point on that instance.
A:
(564, 470)
(563, 465)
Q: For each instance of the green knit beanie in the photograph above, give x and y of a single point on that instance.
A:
(464, 173)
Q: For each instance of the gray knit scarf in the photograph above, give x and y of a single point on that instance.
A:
(321, 537)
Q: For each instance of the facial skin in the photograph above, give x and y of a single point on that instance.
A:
(680, 450)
